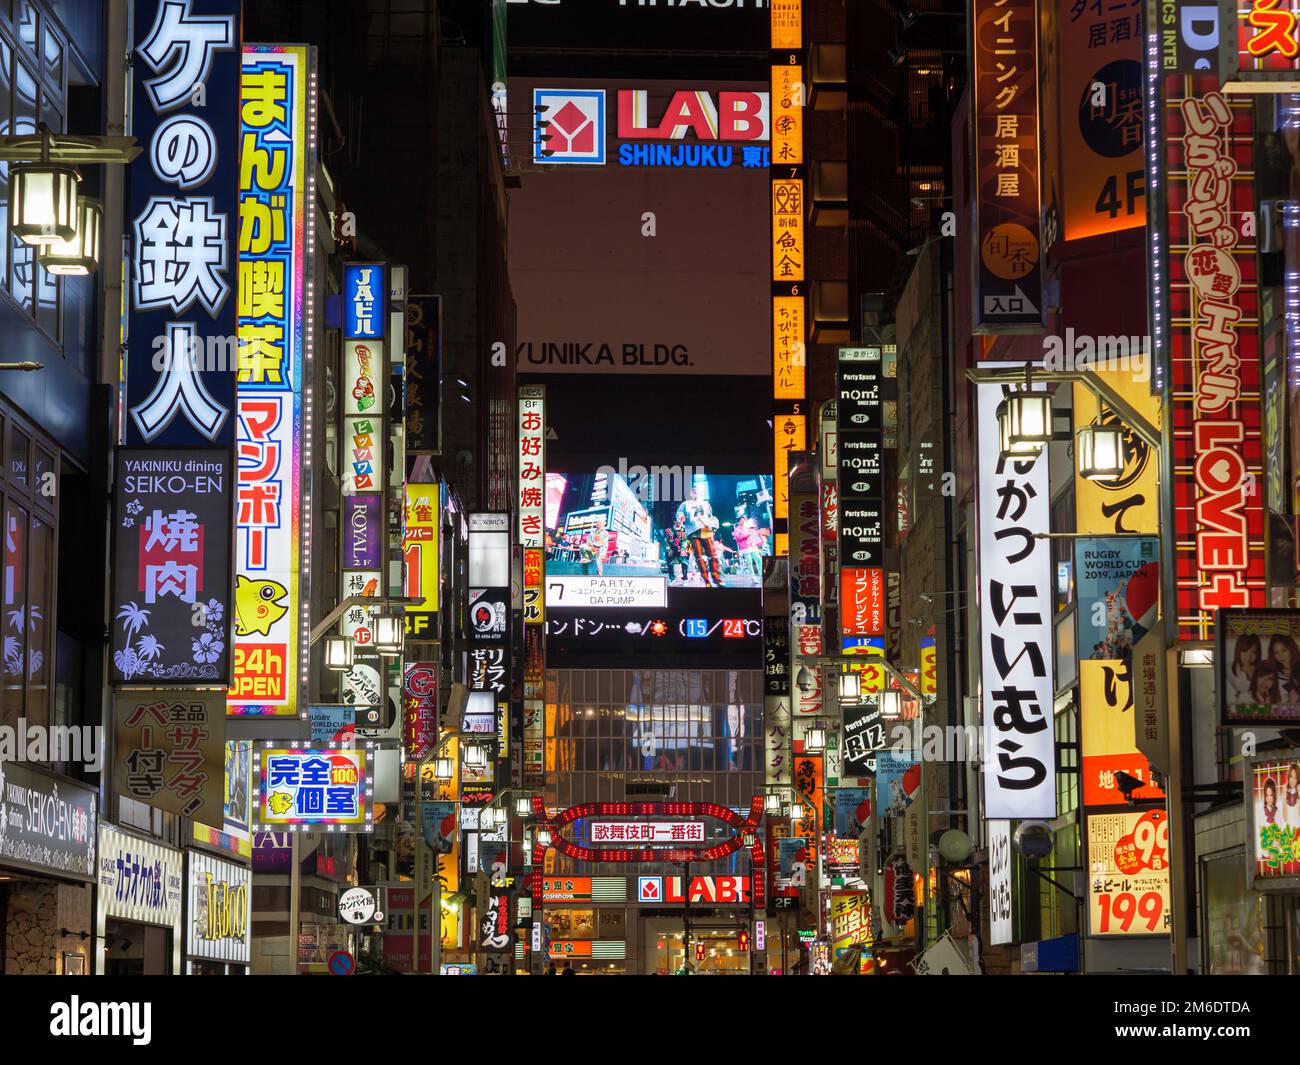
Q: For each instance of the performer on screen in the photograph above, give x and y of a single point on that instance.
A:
(699, 525)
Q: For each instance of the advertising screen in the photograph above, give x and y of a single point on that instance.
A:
(669, 555)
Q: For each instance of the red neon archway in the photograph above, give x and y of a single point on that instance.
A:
(711, 853)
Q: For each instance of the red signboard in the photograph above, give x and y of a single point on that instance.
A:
(1212, 314)
(1260, 45)
(862, 601)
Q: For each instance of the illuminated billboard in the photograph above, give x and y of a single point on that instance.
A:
(665, 556)
(1205, 326)
(650, 262)
(1128, 873)
(274, 329)
(1259, 45)
(299, 787)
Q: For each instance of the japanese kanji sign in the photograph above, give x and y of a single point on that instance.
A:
(532, 465)
(313, 786)
(1102, 174)
(419, 709)
(647, 832)
(180, 381)
(420, 558)
(423, 374)
(139, 880)
(170, 751)
(1272, 784)
(1015, 596)
(274, 320)
(171, 573)
(1008, 267)
(1205, 327)
(1128, 873)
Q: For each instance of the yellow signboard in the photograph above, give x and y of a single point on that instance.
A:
(420, 557)
(787, 23)
(1128, 504)
(1128, 873)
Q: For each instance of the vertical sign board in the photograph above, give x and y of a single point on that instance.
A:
(777, 725)
(364, 386)
(180, 380)
(1000, 905)
(1102, 172)
(171, 573)
(424, 375)
(274, 323)
(180, 356)
(805, 589)
(420, 557)
(530, 489)
(1008, 267)
(1205, 323)
(788, 97)
(1015, 597)
(860, 447)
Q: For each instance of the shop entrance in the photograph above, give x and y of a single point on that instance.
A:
(715, 950)
(136, 949)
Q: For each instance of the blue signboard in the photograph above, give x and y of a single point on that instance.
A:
(365, 301)
(181, 350)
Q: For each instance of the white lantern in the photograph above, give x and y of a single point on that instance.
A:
(772, 803)
(44, 202)
(389, 630)
(796, 811)
(79, 256)
(523, 806)
(1025, 422)
(544, 838)
(443, 769)
(1100, 452)
(338, 652)
(815, 740)
(850, 687)
(891, 704)
(475, 756)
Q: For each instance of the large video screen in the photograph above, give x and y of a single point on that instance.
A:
(672, 556)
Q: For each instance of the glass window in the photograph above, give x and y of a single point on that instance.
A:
(26, 17)
(22, 254)
(19, 457)
(45, 480)
(38, 615)
(14, 622)
(52, 57)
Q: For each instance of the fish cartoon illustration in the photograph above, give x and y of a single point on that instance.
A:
(258, 605)
(280, 802)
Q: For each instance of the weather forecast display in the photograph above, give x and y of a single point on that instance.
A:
(668, 558)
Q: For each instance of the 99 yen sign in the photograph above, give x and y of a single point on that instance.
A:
(1128, 883)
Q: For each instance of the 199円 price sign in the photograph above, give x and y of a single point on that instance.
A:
(1128, 885)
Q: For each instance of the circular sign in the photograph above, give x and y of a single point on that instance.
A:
(342, 963)
(358, 906)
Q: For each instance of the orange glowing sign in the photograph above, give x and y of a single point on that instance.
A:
(790, 431)
(789, 355)
(788, 244)
(787, 114)
(787, 23)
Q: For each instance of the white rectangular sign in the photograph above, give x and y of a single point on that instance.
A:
(647, 832)
(1000, 883)
(530, 490)
(593, 593)
(1015, 595)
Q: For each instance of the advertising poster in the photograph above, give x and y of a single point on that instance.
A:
(275, 318)
(220, 911)
(1273, 821)
(1118, 587)
(1258, 46)
(1128, 873)
(233, 836)
(898, 782)
(1258, 666)
(1008, 269)
(852, 812)
(313, 786)
(172, 526)
(170, 750)
(864, 735)
(1102, 173)
(332, 724)
(851, 926)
